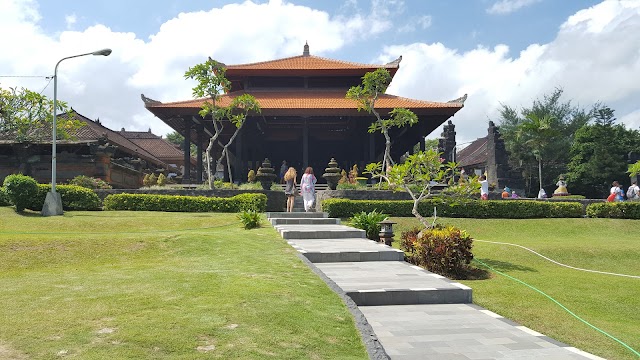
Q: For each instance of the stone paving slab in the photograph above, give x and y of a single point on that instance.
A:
(459, 331)
(345, 250)
(304, 221)
(319, 231)
(281, 215)
(394, 283)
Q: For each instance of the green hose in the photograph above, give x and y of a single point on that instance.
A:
(562, 306)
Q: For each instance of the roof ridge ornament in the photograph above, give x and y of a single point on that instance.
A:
(396, 62)
(149, 101)
(459, 100)
(305, 51)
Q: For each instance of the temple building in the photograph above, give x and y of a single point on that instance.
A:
(119, 158)
(305, 119)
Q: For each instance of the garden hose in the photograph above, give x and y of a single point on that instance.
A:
(562, 306)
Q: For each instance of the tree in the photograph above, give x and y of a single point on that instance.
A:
(418, 175)
(27, 116)
(212, 83)
(536, 133)
(598, 154)
(564, 118)
(373, 85)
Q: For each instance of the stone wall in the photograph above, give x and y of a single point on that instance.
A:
(276, 200)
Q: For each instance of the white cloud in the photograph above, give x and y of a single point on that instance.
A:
(70, 20)
(504, 7)
(423, 22)
(593, 58)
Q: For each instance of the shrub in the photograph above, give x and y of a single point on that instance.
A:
(74, 197)
(250, 186)
(146, 181)
(351, 186)
(619, 210)
(162, 180)
(250, 219)
(499, 209)
(153, 179)
(174, 203)
(20, 189)
(89, 182)
(251, 177)
(220, 184)
(444, 250)
(4, 198)
(368, 221)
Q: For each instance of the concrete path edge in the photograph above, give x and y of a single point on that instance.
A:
(369, 338)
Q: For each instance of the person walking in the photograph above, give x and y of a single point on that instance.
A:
(308, 188)
(633, 193)
(484, 188)
(290, 188)
(616, 193)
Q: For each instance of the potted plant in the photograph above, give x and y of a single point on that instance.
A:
(266, 174)
(332, 174)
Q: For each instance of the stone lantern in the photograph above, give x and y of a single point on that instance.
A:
(332, 174)
(386, 231)
(266, 174)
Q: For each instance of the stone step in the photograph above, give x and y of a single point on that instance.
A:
(319, 231)
(297, 215)
(460, 331)
(345, 250)
(304, 221)
(394, 283)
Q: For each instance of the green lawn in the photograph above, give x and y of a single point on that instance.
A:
(610, 303)
(141, 285)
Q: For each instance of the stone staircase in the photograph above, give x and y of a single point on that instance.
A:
(370, 273)
(414, 313)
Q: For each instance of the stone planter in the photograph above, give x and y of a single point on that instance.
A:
(332, 174)
(266, 174)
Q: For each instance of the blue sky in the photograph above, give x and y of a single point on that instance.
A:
(497, 51)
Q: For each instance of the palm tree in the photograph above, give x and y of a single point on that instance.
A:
(537, 133)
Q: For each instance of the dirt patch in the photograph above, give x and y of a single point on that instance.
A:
(8, 353)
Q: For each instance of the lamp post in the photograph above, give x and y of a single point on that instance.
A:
(53, 202)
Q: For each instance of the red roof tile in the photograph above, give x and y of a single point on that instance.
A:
(302, 62)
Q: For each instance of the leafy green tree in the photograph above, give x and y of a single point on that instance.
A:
(27, 116)
(373, 85)
(212, 83)
(418, 175)
(536, 133)
(598, 155)
(634, 169)
(564, 119)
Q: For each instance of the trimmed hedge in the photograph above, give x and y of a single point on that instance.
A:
(176, 203)
(74, 197)
(4, 198)
(20, 189)
(497, 209)
(618, 210)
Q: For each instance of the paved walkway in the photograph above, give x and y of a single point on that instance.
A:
(415, 314)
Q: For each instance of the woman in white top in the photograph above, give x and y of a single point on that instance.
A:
(308, 188)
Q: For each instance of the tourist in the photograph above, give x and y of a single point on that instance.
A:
(283, 171)
(290, 188)
(514, 195)
(506, 193)
(633, 193)
(562, 187)
(484, 188)
(308, 188)
(542, 194)
(616, 193)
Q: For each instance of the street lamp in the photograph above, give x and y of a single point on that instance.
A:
(53, 202)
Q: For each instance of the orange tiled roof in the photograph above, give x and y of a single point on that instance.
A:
(310, 99)
(308, 62)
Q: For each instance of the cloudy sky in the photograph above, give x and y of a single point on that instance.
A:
(497, 51)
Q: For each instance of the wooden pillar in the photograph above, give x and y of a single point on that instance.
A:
(199, 164)
(305, 144)
(186, 176)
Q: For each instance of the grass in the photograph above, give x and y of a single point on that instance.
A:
(141, 285)
(608, 302)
